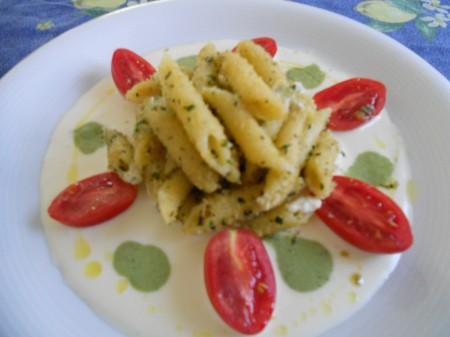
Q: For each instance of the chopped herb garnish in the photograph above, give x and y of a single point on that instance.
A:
(168, 75)
(321, 187)
(279, 220)
(156, 175)
(189, 107)
(285, 147)
(211, 225)
(241, 200)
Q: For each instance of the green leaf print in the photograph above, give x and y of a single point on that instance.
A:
(384, 12)
(384, 26)
(45, 25)
(411, 6)
(425, 29)
(98, 4)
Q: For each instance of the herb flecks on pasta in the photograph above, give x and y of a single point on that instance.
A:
(202, 127)
(232, 144)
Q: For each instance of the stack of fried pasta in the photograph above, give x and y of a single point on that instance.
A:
(229, 144)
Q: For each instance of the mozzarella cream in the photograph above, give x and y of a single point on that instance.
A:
(181, 307)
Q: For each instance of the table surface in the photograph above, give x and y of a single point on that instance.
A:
(421, 25)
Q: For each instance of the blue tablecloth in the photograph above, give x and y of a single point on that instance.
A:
(421, 25)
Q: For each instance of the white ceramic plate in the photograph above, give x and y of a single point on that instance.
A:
(35, 302)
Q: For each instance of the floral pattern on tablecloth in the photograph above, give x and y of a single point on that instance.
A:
(421, 25)
(428, 16)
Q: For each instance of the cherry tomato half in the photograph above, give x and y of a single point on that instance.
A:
(92, 200)
(240, 280)
(365, 217)
(128, 69)
(353, 102)
(269, 44)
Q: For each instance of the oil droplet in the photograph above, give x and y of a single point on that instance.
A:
(179, 327)
(81, 248)
(411, 190)
(356, 279)
(303, 316)
(327, 308)
(352, 297)
(379, 143)
(344, 253)
(281, 330)
(92, 269)
(152, 309)
(202, 334)
(121, 286)
(72, 173)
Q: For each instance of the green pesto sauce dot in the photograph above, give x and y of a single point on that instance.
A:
(305, 265)
(310, 76)
(373, 168)
(89, 137)
(187, 62)
(146, 267)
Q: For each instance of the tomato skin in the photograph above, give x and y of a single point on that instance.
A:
(269, 44)
(240, 280)
(353, 102)
(128, 69)
(365, 217)
(92, 200)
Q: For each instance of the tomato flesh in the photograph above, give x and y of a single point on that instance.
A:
(92, 200)
(365, 217)
(269, 44)
(128, 69)
(240, 280)
(353, 102)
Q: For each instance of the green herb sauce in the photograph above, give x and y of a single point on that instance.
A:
(89, 137)
(146, 267)
(305, 265)
(310, 77)
(373, 168)
(187, 62)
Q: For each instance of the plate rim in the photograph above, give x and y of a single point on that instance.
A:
(430, 71)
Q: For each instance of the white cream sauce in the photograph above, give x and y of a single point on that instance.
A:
(181, 307)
